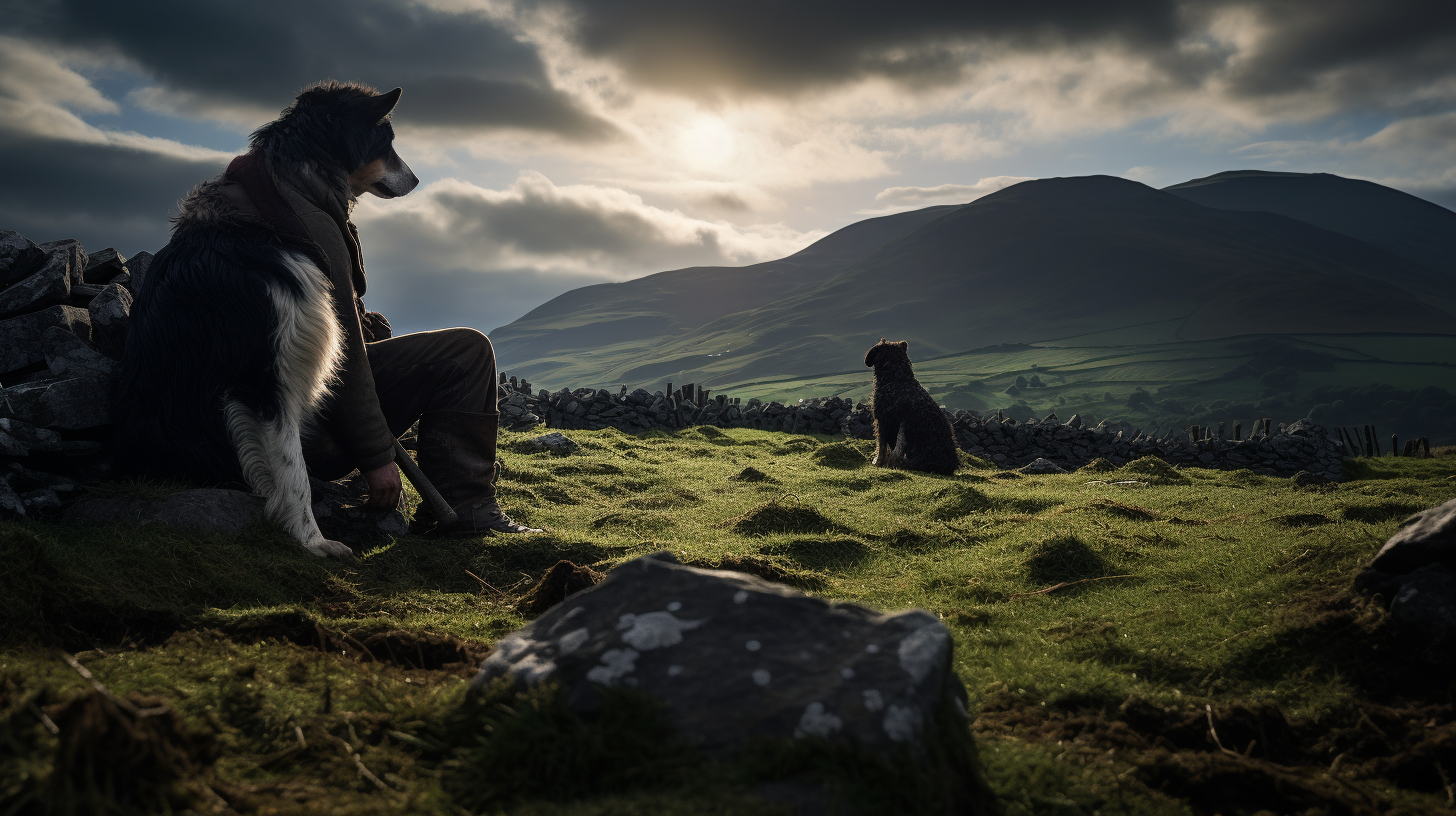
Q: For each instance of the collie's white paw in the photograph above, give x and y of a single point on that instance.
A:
(325, 548)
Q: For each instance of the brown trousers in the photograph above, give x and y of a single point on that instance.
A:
(445, 370)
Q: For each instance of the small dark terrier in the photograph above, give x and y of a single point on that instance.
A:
(910, 429)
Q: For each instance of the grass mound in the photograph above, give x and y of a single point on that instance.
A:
(778, 516)
(767, 569)
(1098, 465)
(1126, 511)
(1065, 558)
(959, 502)
(1152, 469)
(840, 455)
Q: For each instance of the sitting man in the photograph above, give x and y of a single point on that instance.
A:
(251, 353)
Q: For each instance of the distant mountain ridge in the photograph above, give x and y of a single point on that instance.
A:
(1233, 254)
(1397, 222)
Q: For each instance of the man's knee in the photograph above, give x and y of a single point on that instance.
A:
(471, 349)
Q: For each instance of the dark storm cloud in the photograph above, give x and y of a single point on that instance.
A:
(457, 69)
(104, 195)
(1381, 45)
(776, 46)
(1350, 50)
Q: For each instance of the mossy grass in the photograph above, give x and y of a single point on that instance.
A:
(1233, 602)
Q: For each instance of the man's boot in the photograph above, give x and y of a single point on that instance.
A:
(457, 453)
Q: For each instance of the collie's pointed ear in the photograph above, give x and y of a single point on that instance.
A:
(379, 107)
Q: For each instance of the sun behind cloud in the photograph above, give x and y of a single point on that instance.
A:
(709, 143)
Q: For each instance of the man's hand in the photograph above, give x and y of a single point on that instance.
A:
(384, 486)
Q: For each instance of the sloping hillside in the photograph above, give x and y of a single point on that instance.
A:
(644, 312)
(1397, 222)
(1037, 261)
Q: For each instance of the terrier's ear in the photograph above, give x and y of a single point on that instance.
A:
(904, 345)
(870, 356)
(378, 107)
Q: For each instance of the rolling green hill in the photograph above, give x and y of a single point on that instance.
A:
(1213, 279)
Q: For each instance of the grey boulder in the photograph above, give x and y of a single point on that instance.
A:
(735, 658)
(138, 266)
(70, 404)
(50, 285)
(1428, 537)
(76, 255)
(19, 258)
(11, 505)
(23, 439)
(555, 443)
(1043, 466)
(1425, 603)
(20, 337)
(67, 355)
(110, 317)
(102, 266)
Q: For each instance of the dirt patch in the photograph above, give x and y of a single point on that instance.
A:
(562, 580)
(781, 515)
(765, 569)
(1301, 520)
(751, 474)
(1126, 511)
(123, 750)
(839, 455)
(1249, 758)
(411, 649)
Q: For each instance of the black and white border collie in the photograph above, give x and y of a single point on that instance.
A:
(234, 338)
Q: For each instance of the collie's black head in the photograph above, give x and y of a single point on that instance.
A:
(889, 359)
(334, 126)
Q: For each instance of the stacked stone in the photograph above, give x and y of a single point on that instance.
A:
(1301, 447)
(63, 321)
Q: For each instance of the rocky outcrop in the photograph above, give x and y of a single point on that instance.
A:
(63, 316)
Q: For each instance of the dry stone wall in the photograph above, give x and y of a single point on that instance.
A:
(1272, 450)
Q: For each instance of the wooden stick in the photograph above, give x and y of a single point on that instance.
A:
(441, 509)
(1066, 584)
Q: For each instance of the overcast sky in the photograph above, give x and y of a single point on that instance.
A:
(567, 143)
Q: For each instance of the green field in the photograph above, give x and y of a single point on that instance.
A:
(1378, 379)
(299, 686)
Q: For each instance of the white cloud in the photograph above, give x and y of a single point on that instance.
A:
(40, 97)
(1143, 173)
(581, 229)
(900, 199)
(1416, 153)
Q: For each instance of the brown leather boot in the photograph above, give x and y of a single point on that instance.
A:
(457, 453)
